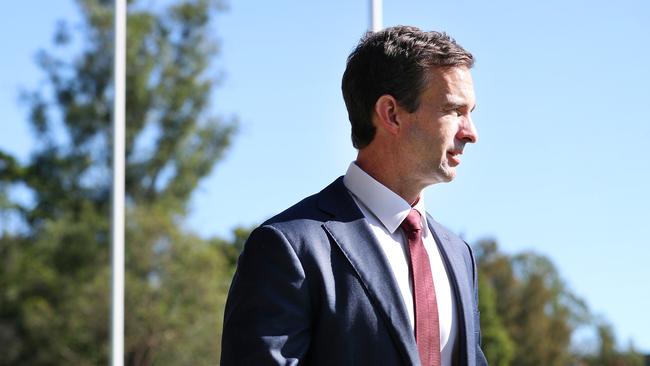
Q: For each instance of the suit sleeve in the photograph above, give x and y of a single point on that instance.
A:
(480, 356)
(266, 320)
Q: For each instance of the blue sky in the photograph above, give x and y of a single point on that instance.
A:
(562, 91)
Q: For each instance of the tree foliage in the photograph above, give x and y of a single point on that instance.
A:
(538, 311)
(498, 347)
(607, 352)
(528, 314)
(54, 271)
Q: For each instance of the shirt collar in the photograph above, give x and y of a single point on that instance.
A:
(389, 208)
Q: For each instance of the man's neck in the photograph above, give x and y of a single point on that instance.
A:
(386, 173)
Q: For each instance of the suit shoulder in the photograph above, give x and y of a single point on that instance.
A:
(310, 208)
(306, 209)
(299, 227)
(307, 216)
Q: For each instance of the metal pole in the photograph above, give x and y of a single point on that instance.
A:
(376, 14)
(117, 252)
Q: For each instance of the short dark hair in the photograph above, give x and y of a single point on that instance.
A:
(393, 61)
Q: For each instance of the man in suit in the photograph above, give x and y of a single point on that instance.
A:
(359, 273)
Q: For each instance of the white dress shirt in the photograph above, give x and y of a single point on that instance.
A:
(385, 211)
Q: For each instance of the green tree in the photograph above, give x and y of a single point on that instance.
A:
(498, 347)
(54, 267)
(537, 309)
(607, 353)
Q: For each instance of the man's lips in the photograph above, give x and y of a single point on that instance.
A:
(454, 156)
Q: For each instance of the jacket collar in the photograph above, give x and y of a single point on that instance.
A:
(350, 231)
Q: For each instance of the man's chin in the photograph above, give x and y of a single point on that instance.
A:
(448, 178)
(444, 176)
(447, 173)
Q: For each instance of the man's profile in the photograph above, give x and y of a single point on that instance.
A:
(360, 273)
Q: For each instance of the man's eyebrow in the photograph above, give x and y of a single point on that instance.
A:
(451, 105)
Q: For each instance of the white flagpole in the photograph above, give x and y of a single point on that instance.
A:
(118, 196)
(376, 15)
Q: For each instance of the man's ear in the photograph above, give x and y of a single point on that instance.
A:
(387, 110)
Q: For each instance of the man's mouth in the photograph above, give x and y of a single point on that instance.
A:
(454, 156)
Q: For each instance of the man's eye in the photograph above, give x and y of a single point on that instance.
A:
(456, 112)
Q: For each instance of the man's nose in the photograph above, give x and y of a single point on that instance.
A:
(467, 131)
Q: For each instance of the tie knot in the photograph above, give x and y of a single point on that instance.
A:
(412, 224)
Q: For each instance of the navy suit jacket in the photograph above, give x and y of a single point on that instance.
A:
(313, 287)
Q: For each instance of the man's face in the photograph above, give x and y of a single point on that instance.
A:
(434, 136)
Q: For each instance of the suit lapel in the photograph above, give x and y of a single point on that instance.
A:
(456, 270)
(350, 231)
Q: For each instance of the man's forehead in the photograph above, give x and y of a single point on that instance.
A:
(453, 85)
(445, 78)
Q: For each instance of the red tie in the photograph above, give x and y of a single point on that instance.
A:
(427, 326)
